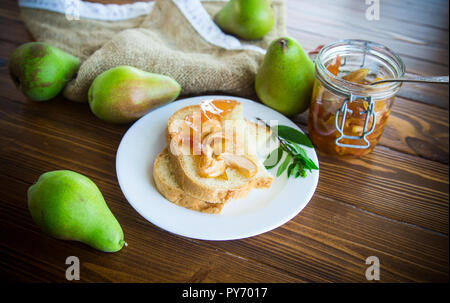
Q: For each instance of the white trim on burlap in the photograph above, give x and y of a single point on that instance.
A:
(194, 12)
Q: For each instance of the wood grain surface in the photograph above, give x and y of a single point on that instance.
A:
(392, 204)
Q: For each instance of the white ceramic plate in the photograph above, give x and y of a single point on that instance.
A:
(262, 210)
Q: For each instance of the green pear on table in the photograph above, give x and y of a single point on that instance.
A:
(285, 79)
(69, 206)
(40, 70)
(124, 93)
(246, 19)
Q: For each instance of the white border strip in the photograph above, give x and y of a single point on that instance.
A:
(90, 10)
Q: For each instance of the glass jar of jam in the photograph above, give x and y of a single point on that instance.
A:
(347, 114)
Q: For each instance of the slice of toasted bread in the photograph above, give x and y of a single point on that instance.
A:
(168, 187)
(217, 190)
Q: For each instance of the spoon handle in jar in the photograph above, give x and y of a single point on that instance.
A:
(419, 79)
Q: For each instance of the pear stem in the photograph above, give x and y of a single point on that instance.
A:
(283, 43)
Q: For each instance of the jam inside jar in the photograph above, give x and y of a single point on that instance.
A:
(347, 115)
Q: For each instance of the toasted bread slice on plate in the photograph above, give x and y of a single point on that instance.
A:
(222, 176)
(167, 185)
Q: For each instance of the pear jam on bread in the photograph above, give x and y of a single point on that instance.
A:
(212, 156)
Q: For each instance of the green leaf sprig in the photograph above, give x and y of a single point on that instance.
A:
(296, 161)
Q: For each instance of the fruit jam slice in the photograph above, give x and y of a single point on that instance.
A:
(211, 110)
(216, 109)
(333, 67)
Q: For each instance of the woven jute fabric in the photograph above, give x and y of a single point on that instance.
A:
(162, 42)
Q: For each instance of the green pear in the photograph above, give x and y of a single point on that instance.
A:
(123, 94)
(246, 19)
(40, 70)
(285, 79)
(69, 206)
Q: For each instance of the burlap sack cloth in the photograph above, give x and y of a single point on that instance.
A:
(162, 42)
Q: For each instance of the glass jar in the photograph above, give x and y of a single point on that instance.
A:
(347, 115)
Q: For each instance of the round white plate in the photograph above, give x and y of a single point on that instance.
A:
(262, 210)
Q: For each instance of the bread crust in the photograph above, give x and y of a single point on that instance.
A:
(175, 194)
(202, 191)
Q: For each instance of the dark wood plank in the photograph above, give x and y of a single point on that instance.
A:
(392, 204)
(328, 241)
(336, 238)
(6, 48)
(313, 25)
(433, 94)
(415, 141)
(414, 128)
(391, 184)
(423, 49)
(427, 14)
(10, 19)
(420, 130)
(338, 21)
(417, 188)
(152, 255)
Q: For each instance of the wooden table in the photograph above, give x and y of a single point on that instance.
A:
(392, 204)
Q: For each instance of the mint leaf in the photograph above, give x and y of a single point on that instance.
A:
(309, 164)
(284, 165)
(273, 158)
(291, 134)
(292, 169)
(300, 171)
(291, 141)
(298, 150)
(301, 155)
